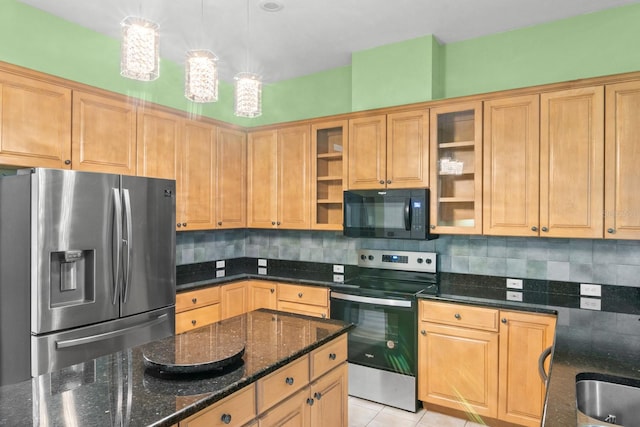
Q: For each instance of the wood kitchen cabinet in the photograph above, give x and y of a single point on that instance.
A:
(511, 169)
(104, 134)
(262, 294)
(35, 123)
(235, 410)
(456, 169)
(197, 308)
(622, 157)
(389, 151)
(572, 163)
(278, 178)
(233, 299)
(329, 172)
(302, 299)
(231, 179)
(483, 361)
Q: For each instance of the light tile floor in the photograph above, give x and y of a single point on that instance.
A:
(363, 413)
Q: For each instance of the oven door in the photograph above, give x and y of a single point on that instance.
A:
(385, 333)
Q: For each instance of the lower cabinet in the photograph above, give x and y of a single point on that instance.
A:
(233, 299)
(483, 361)
(301, 299)
(235, 410)
(197, 308)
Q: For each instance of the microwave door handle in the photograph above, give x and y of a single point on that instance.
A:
(407, 214)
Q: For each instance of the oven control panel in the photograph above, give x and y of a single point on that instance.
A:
(397, 260)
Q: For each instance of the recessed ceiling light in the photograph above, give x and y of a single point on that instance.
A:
(271, 5)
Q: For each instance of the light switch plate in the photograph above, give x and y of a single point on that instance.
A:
(590, 303)
(514, 296)
(514, 283)
(220, 273)
(220, 264)
(337, 268)
(588, 289)
(262, 262)
(338, 278)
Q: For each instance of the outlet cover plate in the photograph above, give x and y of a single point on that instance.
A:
(588, 289)
(514, 283)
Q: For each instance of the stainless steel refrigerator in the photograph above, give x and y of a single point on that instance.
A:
(87, 267)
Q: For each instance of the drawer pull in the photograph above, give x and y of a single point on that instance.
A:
(310, 401)
(504, 320)
(194, 300)
(317, 395)
(299, 294)
(193, 322)
(423, 332)
(289, 380)
(457, 316)
(332, 356)
(226, 418)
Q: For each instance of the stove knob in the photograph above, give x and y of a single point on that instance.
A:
(419, 260)
(370, 257)
(363, 257)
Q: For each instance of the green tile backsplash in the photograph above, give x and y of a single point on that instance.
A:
(611, 262)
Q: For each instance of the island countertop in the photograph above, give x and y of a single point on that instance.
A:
(117, 388)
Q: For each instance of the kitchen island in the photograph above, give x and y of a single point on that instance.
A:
(117, 389)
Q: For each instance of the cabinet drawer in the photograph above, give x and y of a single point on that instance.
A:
(195, 299)
(282, 383)
(303, 294)
(192, 319)
(459, 315)
(306, 309)
(235, 410)
(328, 356)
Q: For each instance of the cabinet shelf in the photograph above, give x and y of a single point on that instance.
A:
(330, 156)
(456, 200)
(457, 144)
(329, 178)
(467, 173)
(329, 201)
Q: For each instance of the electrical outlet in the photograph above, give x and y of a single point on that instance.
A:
(220, 273)
(588, 289)
(590, 303)
(338, 278)
(514, 283)
(514, 296)
(262, 262)
(262, 271)
(220, 264)
(338, 269)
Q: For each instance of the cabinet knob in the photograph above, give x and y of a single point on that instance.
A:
(332, 356)
(382, 181)
(534, 228)
(273, 223)
(433, 227)
(289, 380)
(317, 395)
(324, 316)
(310, 401)
(504, 320)
(610, 230)
(178, 225)
(184, 224)
(423, 332)
(457, 316)
(193, 322)
(226, 418)
(194, 300)
(299, 294)
(67, 162)
(545, 229)
(219, 222)
(388, 181)
(272, 290)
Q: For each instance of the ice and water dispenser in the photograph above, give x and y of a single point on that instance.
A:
(72, 277)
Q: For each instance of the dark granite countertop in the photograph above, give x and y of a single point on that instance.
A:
(118, 390)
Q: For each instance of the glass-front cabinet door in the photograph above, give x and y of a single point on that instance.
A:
(456, 169)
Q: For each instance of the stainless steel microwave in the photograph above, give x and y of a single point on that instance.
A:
(392, 214)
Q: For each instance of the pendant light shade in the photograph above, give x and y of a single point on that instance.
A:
(248, 95)
(201, 76)
(139, 55)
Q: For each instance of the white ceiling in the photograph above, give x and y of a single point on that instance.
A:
(310, 36)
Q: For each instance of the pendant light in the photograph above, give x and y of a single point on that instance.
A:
(248, 87)
(201, 72)
(139, 53)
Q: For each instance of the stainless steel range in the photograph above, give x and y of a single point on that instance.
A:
(382, 302)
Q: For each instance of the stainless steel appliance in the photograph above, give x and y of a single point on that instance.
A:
(394, 214)
(87, 267)
(381, 301)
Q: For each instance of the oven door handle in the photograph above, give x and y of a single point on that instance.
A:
(370, 300)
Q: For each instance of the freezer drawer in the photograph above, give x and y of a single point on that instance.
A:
(57, 350)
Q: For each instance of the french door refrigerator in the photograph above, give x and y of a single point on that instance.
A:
(87, 267)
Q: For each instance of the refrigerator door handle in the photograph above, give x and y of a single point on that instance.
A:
(127, 244)
(117, 244)
(111, 334)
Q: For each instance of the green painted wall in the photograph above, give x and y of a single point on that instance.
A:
(584, 46)
(395, 74)
(416, 70)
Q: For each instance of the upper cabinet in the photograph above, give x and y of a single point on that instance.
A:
(104, 134)
(511, 168)
(328, 174)
(35, 123)
(622, 156)
(456, 169)
(231, 183)
(278, 177)
(572, 163)
(389, 151)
